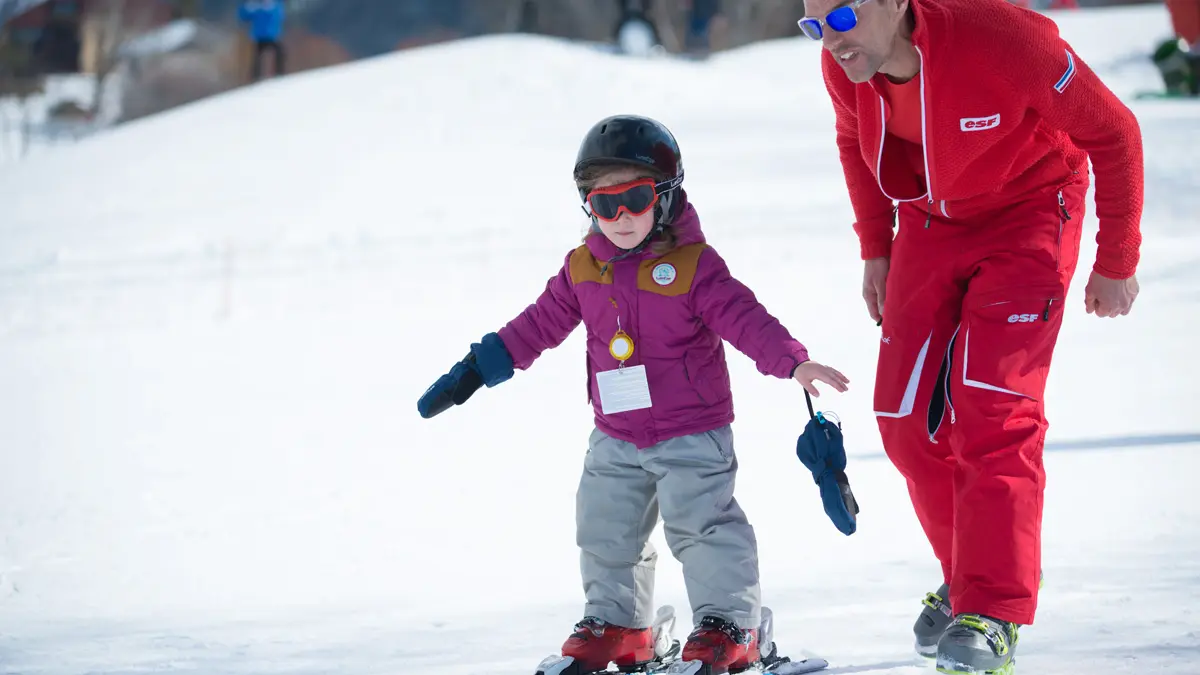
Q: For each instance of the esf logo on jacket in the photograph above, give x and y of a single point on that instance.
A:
(979, 123)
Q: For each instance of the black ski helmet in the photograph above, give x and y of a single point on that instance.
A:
(641, 142)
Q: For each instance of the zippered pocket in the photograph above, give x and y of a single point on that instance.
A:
(1063, 217)
(940, 401)
(691, 374)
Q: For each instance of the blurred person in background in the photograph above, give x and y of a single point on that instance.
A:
(1178, 59)
(265, 19)
(636, 33)
(700, 17)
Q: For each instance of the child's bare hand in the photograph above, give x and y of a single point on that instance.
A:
(809, 371)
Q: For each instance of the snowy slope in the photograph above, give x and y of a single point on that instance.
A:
(215, 324)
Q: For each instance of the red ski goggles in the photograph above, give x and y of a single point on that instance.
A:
(635, 198)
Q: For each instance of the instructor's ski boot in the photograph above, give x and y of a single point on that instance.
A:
(977, 645)
(936, 617)
(932, 622)
(722, 646)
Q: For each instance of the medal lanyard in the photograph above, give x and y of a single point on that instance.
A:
(621, 345)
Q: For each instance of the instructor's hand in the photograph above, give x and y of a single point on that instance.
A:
(875, 273)
(1106, 297)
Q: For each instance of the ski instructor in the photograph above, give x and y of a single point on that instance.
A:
(979, 120)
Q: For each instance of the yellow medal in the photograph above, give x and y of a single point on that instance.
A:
(621, 346)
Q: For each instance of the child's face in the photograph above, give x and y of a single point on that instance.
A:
(627, 231)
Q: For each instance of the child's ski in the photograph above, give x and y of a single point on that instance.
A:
(810, 665)
(565, 665)
(667, 650)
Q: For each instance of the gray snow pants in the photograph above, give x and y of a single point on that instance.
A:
(690, 481)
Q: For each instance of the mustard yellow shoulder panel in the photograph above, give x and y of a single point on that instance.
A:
(673, 273)
(585, 267)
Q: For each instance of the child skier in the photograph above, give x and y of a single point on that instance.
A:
(656, 301)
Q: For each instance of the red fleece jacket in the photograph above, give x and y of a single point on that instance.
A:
(1009, 111)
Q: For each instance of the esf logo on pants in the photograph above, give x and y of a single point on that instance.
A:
(1023, 318)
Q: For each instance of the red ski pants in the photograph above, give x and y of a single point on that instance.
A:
(1185, 20)
(970, 320)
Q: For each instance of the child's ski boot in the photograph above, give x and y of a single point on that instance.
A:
(722, 646)
(718, 647)
(932, 622)
(977, 645)
(595, 644)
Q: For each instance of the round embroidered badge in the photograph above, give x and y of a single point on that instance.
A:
(663, 274)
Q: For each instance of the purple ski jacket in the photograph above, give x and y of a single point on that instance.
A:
(677, 308)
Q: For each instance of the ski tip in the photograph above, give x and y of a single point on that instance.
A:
(557, 665)
(809, 665)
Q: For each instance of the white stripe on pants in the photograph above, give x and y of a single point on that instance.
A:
(689, 479)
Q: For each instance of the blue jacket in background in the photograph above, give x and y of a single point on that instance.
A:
(265, 18)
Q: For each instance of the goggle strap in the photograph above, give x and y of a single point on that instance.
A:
(668, 185)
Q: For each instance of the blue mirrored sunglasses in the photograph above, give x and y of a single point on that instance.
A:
(841, 20)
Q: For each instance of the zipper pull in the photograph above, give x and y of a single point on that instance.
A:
(1046, 314)
(928, 213)
(1062, 206)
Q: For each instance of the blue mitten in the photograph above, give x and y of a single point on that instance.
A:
(820, 449)
(487, 363)
(492, 360)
